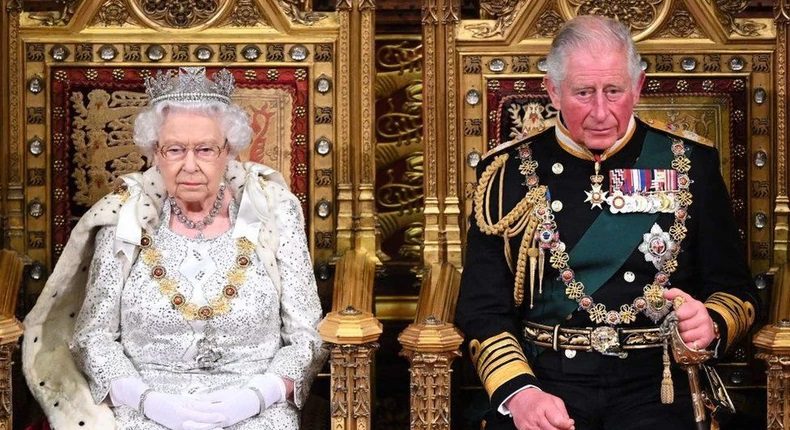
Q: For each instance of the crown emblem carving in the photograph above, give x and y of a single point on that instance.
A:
(190, 84)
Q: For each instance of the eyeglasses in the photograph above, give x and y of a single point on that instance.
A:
(178, 152)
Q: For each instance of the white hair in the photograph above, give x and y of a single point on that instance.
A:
(588, 32)
(233, 122)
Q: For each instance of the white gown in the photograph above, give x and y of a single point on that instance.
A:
(129, 328)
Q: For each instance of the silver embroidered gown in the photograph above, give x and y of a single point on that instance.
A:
(130, 328)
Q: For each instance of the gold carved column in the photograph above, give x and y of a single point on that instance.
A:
(431, 344)
(773, 340)
(351, 332)
(440, 124)
(356, 133)
(11, 269)
(782, 208)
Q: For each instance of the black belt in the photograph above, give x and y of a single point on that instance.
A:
(604, 339)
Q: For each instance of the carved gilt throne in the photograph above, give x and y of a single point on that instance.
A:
(73, 79)
(710, 72)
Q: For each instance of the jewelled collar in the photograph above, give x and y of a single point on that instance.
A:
(652, 303)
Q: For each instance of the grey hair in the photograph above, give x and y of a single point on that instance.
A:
(233, 122)
(586, 31)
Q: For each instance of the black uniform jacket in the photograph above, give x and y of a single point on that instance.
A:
(711, 268)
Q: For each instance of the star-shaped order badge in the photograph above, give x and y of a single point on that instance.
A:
(657, 246)
(596, 196)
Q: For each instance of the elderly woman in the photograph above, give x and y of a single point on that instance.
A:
(200, 305)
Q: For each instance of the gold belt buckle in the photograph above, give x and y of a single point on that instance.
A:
(605, 340)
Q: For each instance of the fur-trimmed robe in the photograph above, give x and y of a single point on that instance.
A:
(54, 379)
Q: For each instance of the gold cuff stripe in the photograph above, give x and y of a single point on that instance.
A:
(490, 352)
(499, 359)
(738, 315)
(505, 373)
(484, 369)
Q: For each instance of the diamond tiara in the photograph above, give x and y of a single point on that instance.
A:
(190, 84)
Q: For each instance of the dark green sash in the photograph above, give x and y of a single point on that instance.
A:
(606, 245)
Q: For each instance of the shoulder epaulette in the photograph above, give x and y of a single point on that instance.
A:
(677, 131)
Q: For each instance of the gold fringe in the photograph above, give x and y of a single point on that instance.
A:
(667, 390)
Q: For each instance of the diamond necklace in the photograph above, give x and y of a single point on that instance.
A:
(205, 222)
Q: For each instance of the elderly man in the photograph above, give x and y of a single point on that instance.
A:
(583, 239)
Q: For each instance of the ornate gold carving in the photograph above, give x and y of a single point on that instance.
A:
(782, 12)
(131, 52)
(292, 9)
(501, 11)
(406, 196)
(637, 15)
(473, 127)
(96, 148)
(324, 239)
(430, 389)
(323, 53)
(549, 24)
(760, 126)
(181, 52)
(323, 177)
(350, 385)
(36, 51)
(5, 383)
(680, 25)
(275, 52)
(36, 239)
(113, 13)
(246, 14)
(323, 114)
(35, 115)
(59, 17)
(84, 52)
(14, 7)
(726, 11)
(179, 13)
(401, 57)
(773, 344)
(227, 52)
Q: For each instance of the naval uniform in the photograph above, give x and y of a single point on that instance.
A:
(619, 256)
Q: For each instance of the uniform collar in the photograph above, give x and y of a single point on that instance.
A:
(580, 151)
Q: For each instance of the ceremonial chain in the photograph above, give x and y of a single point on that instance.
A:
(652, 303)
(205, 222)
(168, 286)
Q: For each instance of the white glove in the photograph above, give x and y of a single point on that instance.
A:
(238, 404)
(173, 411)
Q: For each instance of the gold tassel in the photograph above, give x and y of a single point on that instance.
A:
(667, 390)
(541, 265)
(533, 265)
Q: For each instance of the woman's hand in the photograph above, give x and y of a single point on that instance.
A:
(238, 404)
(534, 409)
(178, 412)
(173, 411)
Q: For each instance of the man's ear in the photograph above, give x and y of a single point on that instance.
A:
(554, 92)
(638, 87)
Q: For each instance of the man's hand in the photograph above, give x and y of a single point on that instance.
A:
(533, 409)
(694, 322)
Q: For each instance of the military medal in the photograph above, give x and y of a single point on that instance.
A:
(596, 196)
(645, 190)
(659, 247)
